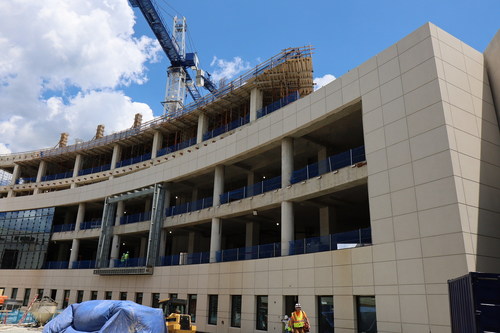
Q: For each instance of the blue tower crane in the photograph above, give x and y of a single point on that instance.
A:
(174, 46)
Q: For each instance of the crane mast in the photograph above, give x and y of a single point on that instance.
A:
(174, 45)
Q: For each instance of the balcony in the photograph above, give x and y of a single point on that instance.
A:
(174, 148)
(189, 207)
(63, 227)
(134, 218)
(134, 160)
(249, 191)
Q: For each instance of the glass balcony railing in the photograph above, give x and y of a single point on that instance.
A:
(226, 128)
(332, 163)
(249, 191)
(63, 227)
(278, 104)
(174, 148)
(25, 180)
(94, 170)
(134, 160)
(252, 252)
(62, 175)
(83, 264)
(130, 262)
(134, 218)
(343, 240)
(90, 225)
(56, 265)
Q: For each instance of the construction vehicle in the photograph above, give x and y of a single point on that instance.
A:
(176, 319)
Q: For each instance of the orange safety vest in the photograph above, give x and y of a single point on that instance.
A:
(299, 320)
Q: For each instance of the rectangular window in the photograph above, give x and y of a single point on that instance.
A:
(108, 295)
(79, 296)
(39, 293)
(192, 307)
(53, 293)
(26, 298)
(14, 293)
(138, 298)
(66, 299)
(236, 311)
(93, 295)
(325, 314)
(155, 300)
(366, 314)
(123, 295)
(290, 301)
(212, 309)
(172, 295)
(262, 306)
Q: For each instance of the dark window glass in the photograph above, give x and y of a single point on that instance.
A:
(14, 293)
(325, 314)
(79, 296)
(53, 293)
(290, 302)
(123, 295)
(26, 298)
(138, 298)
(108, 295)
(236, 311)
(155, 300)
(366, 314)
(93, 295)
(192, 307)
(66, 299)
(212, 309)
(262, 307)
(172, 296)
(39, 293)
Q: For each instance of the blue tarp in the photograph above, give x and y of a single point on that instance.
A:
(107, 317)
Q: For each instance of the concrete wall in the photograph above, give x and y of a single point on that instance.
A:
(492, 59)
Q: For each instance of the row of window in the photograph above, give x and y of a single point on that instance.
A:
(365, 307)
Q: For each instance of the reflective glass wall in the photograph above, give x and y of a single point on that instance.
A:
(24, 238)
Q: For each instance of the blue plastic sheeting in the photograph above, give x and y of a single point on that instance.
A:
(107, 317)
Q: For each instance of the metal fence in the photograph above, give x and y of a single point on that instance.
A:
(226, 128)
(251, 190)
(174, 148)
(189, 206)
(134, 218)
(278, 104)
(332, 163)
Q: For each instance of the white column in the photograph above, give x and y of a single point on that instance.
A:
(202, 127)
(78, 165)
(287, 226)
(215, 238)
(80, 215)
(117, 152)
(286, 161)
(42, 168)
(157, 140)
(142, 250)
(120, 209)
(75, 246)
(251, 234)
(191, 240)
(115, 248)
(15, 174)
(218, 184)
(256, 98)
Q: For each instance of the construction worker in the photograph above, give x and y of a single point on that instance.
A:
(299, 321)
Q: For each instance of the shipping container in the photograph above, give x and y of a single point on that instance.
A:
(475, 303)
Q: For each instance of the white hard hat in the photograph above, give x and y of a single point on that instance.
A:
(298, 305)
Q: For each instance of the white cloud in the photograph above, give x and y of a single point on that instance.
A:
(323, 81)
(61, 69)
(227, 69)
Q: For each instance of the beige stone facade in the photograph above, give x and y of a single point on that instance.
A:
(425, 112)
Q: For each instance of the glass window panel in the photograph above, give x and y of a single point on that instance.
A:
(212, 309)
(262, 307)
(366, 314)
(138, 298)
(93, 295)
(123, 295)
(79, 296)
(155, 300)
(325, 314)
(108, 295)
(236, 311)
(192, 307)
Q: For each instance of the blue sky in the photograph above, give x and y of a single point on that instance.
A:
(68, 66)
(344, 33)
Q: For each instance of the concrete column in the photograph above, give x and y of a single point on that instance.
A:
(256, 99)
(75, 246)
(117, 152)
(63, 250)
(286, 161)
(218, 184)
(215, 238)
(324, 221)
(115, 250)
(202, 127)
(287, 226)
(78, 165)
(42, 168)
(15, 174)
(80, 215)
(250, 178)
(142, 250)
(322, 155)
(157, 140)
(147, 205)
(252, 234)
(191, 241)
(120, 209)
(163, 243)
(194, 194)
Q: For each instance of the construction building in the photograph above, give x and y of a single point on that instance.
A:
(359, 200)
